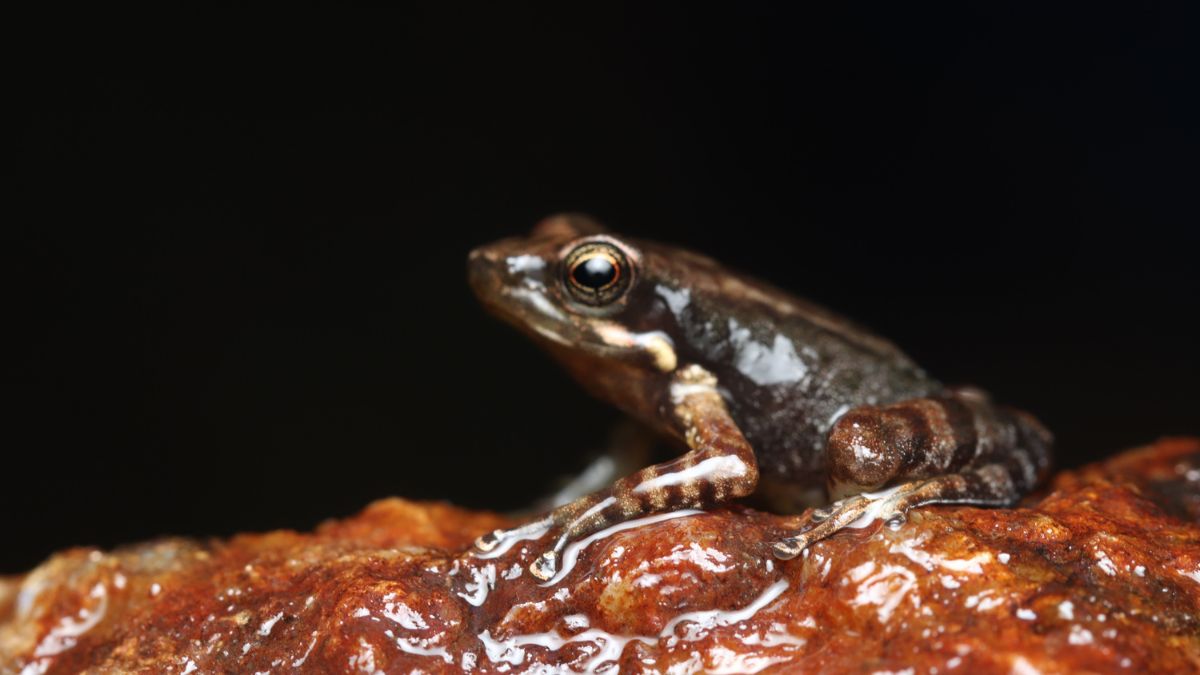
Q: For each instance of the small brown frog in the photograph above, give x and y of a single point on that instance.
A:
(753, 381)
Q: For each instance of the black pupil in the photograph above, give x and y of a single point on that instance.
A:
(595, 272)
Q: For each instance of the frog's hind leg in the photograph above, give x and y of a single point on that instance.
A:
(719, 466)
(956, 448)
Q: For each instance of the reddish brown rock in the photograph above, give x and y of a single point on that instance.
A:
(1101, 575)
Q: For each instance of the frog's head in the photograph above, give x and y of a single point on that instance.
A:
(573, 286)
(584, 294)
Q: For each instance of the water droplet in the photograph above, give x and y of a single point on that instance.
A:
(895, 521)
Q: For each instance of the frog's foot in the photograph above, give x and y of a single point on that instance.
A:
(498, 541)
(545, 566)
(988, 485)
(820, 523)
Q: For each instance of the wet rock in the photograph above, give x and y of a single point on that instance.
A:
(1099, 574)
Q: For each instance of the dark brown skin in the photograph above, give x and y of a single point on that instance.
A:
(752, 381)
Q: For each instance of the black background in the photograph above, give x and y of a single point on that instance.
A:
(237, 298)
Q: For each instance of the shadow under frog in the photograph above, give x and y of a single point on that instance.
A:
(753, 382)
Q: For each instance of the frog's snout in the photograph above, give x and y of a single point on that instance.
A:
(483, 271)
(512, 278)
(494, 269)
(480, 254)
(502, 266)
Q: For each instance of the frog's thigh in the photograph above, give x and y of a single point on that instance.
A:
(953, 449)
(871, 446)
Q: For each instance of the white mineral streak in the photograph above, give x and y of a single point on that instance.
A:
(605, 648)
(571, 554)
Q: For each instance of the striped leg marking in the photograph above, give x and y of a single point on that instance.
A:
(719, 466)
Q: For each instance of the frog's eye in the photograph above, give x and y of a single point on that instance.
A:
(596, 273)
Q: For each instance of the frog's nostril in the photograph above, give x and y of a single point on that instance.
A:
(489, 254)
(481, 271)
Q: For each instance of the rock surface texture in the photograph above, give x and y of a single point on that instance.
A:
(1099, 574)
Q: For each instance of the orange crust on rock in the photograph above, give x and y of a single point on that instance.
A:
(1102, 574)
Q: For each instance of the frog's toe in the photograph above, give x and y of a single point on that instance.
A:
(489, 541)
(790, 547)
(819, 524)
(821, 514)
(895, 520)
(497, 542)
(545, 566)
(786, 549)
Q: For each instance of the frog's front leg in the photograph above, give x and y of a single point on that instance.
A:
(719, 466)
(956, 448)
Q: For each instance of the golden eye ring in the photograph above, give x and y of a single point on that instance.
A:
(596, 273)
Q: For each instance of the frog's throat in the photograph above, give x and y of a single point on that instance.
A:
(654, 343)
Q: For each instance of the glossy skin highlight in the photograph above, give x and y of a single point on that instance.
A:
(752, 381)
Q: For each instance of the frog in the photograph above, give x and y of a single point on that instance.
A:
(763, 392)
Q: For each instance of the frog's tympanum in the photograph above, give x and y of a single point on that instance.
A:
(753, 382)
